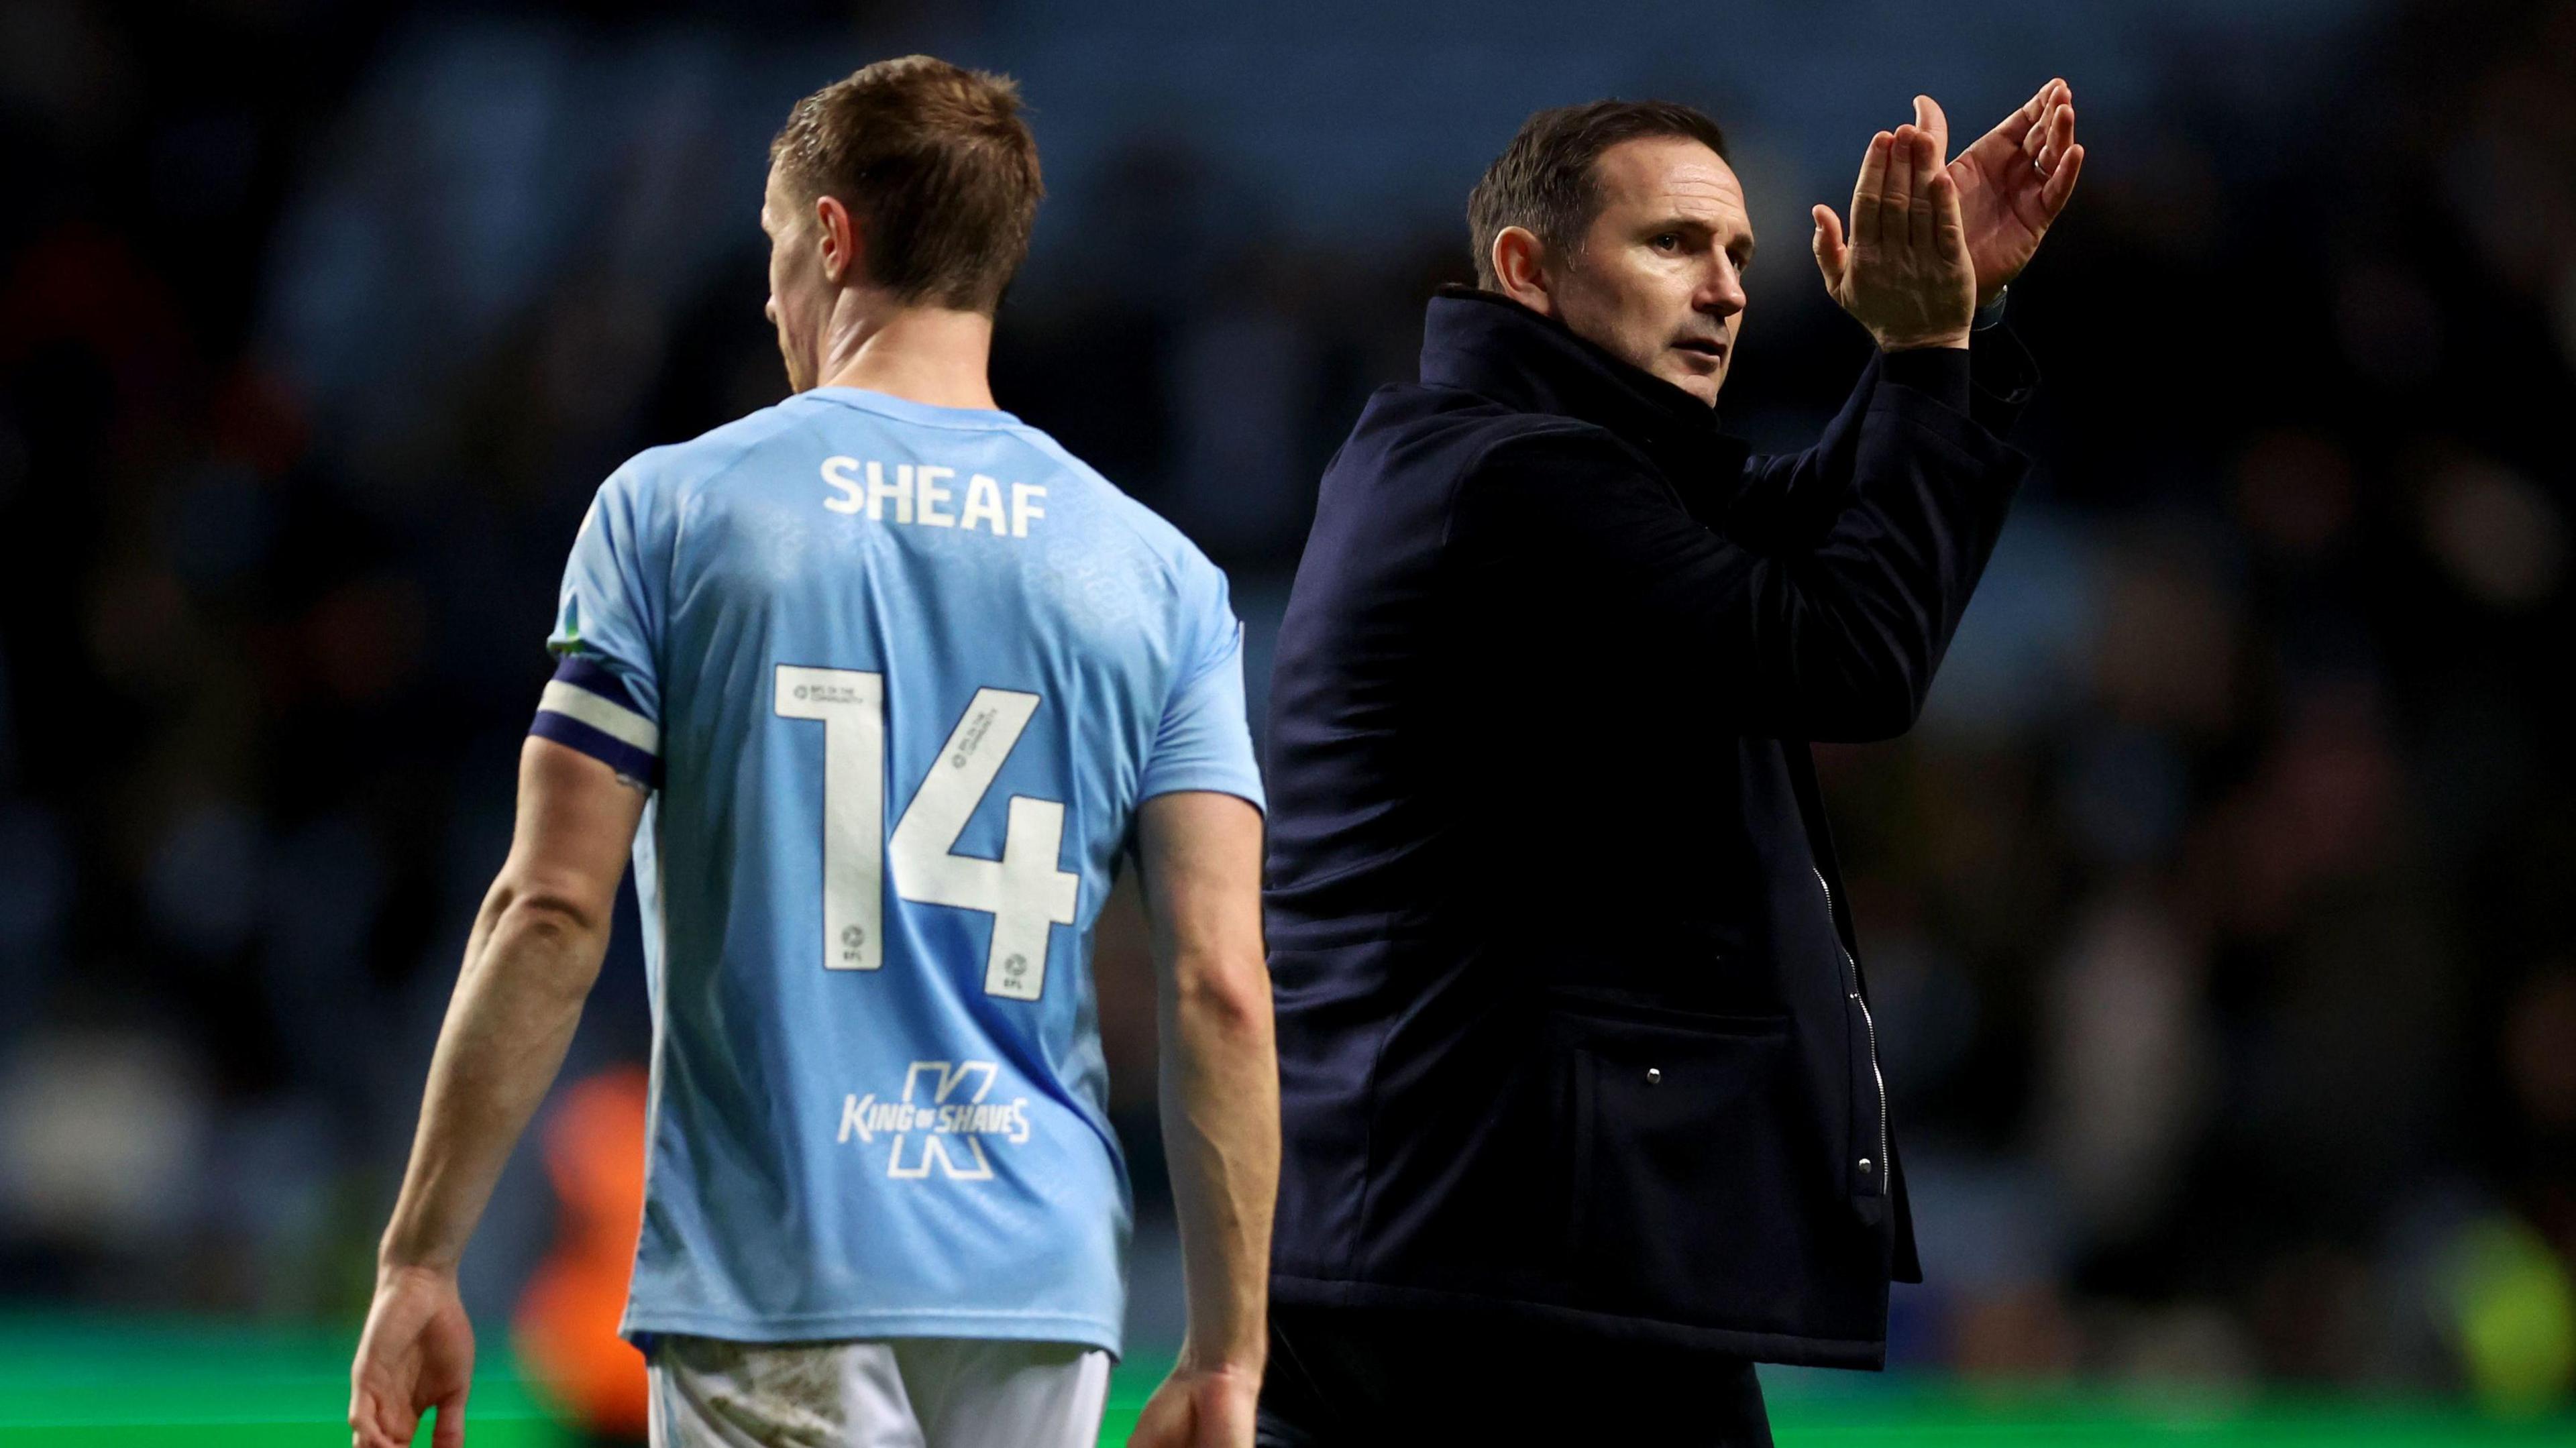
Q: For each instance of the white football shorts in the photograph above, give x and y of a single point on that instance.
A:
(894, 1393)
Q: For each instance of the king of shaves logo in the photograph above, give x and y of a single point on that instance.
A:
(943, 1119)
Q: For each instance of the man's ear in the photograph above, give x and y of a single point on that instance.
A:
(1517, 271)
(838, 234)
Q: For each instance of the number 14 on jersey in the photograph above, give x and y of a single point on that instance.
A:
(1023, 891)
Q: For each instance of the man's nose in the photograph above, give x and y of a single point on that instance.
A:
(1722, 294)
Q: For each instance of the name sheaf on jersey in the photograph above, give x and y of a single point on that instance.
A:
(947, 1130)
(919, 494)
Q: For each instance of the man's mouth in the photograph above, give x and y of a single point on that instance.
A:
(1715, 351)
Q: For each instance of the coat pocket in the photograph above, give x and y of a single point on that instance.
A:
(1693, 1193)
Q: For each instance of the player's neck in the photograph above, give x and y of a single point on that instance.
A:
(920, 354)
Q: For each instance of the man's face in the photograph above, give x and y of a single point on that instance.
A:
(799, 296)
(1659, 278)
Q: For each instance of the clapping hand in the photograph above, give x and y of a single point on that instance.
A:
(1903, 269)
(2013, 182)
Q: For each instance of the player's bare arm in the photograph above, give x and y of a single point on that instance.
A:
(1220, 1101)
(529, 964)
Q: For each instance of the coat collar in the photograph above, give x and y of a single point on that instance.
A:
(1488, 344)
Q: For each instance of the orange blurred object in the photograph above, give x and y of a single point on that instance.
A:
(566, 1327)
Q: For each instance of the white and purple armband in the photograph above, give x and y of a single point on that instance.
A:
(584, 707)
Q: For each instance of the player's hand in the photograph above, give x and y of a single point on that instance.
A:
(2013, 182)
(1903, 269)
(1204, 1408)
(416, 1353)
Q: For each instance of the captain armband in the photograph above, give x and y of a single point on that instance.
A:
(586, 708)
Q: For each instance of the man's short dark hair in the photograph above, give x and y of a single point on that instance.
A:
(1544, 179)
(937, 167)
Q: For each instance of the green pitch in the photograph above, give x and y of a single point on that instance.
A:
(102, 1382)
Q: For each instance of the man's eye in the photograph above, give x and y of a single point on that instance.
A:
(1668, 242)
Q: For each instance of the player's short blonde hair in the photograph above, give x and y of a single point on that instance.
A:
(936, 166)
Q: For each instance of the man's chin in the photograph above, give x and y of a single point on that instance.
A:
(1702, 385)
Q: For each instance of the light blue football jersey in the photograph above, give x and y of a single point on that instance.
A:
(899, 676)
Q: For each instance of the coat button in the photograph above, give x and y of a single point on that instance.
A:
(1654, 1076)
(1865, 1167)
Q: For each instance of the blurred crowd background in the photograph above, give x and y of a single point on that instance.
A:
(2223, 908)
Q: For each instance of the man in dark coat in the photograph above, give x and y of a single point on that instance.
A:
(1581, 1093)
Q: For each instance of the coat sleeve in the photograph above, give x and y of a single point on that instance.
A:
(1835, 641)
(1786, 501)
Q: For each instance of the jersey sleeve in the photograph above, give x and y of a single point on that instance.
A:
(1203, 741)
(605, 698)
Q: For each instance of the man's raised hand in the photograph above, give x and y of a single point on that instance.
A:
(2013, 182)
(1903, 269)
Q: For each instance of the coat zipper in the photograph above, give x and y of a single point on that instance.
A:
(1869, 1026)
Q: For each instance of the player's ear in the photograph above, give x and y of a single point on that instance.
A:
(1517, 271)
(837, 232)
